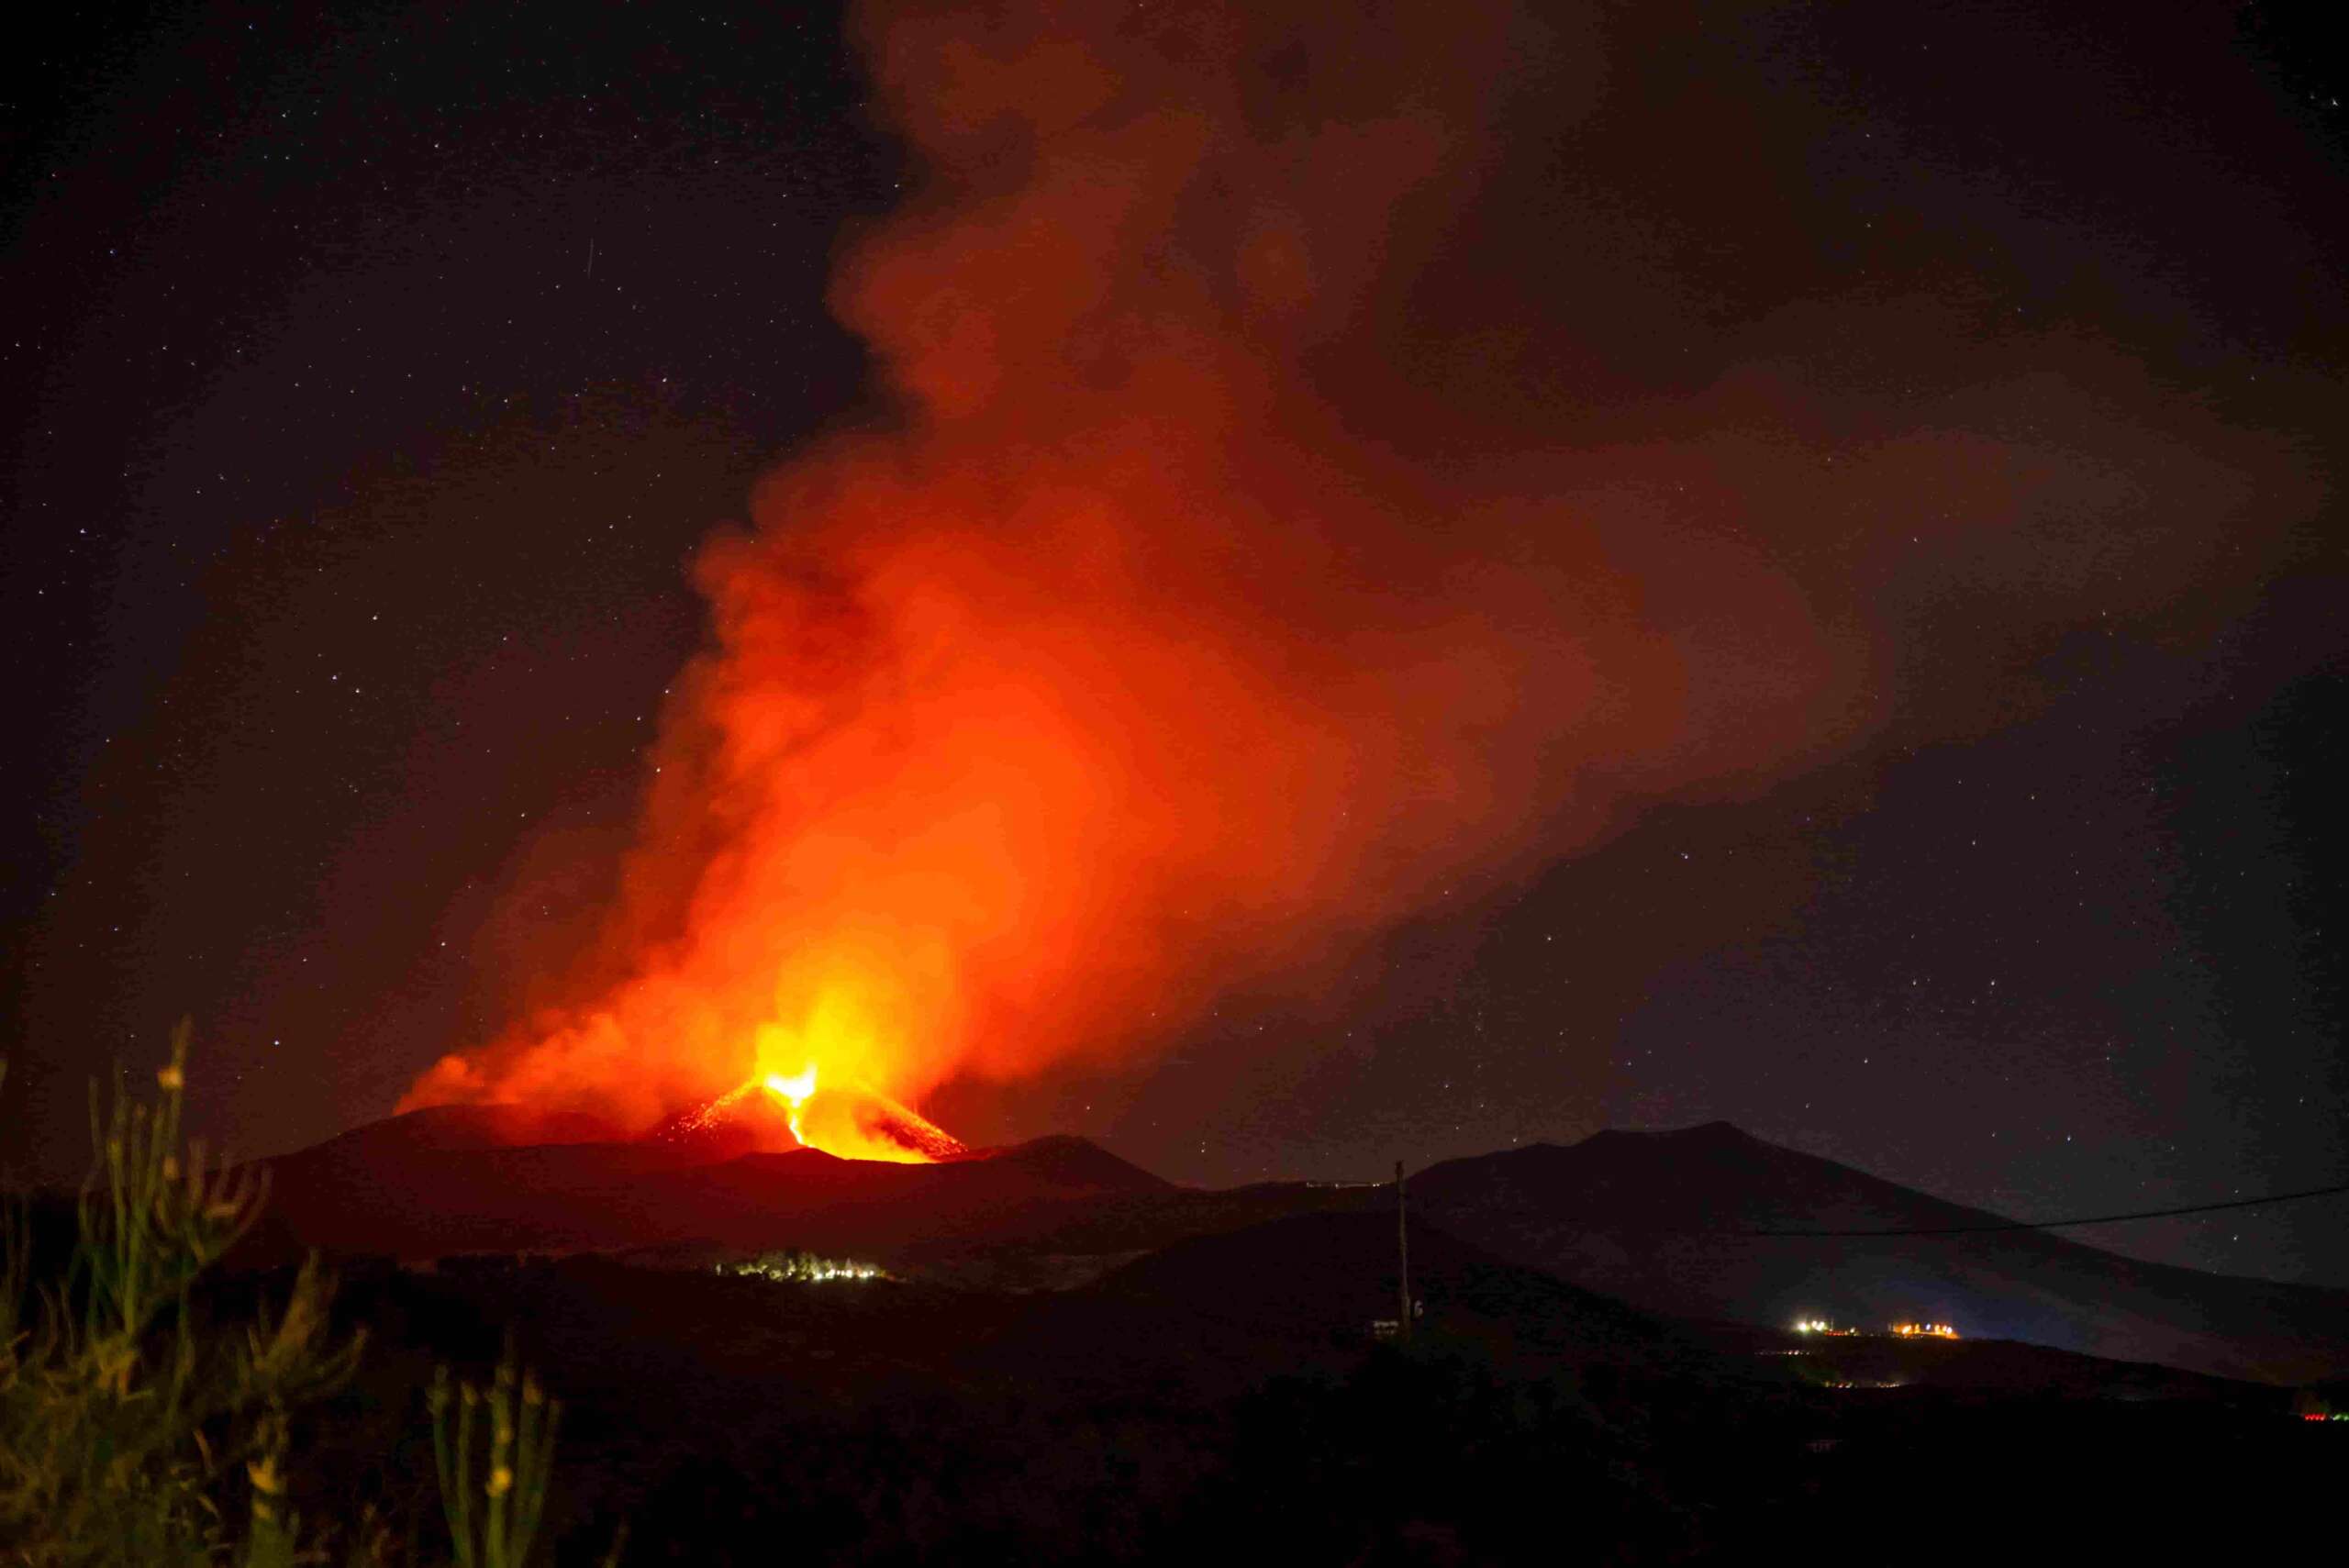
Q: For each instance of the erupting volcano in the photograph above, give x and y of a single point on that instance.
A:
(851, 1121)
(1228, 578)
(1121, 669)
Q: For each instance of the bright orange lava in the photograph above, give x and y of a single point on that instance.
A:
(793, 1092)
(825, 1101)
(855, 1122)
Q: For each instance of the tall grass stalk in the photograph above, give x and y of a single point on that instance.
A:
(513, 1469)
(123, 1423)
(133, 1431)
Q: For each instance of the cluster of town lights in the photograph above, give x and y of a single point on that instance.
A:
(1899, 1330)
(802, 1267)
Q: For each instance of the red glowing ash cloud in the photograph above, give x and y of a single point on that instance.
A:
(1177, 633)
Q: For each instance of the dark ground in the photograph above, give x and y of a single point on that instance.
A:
(1223, 1397)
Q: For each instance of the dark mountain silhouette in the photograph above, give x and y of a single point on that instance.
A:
(1667, 1221)
(1068, 1160)
(1664, 1221)
(449, 1129)
(430, 1184)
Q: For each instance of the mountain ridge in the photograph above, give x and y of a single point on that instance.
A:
(1676, 1222)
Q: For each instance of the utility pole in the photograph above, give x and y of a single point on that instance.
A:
(1403, 1251)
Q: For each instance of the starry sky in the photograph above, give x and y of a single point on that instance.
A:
(376, 374)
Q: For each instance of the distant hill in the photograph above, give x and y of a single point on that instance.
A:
(1066, 1161)
(1664, 1221)
(1667, 1221)
(450, 1128)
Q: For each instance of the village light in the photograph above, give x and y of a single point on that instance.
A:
(804, 1268)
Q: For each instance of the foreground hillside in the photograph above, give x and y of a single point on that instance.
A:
(1224, 1395)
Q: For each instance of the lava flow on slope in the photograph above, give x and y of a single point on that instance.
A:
(775, 1111)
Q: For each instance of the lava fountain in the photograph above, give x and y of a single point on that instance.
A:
(823, 1103)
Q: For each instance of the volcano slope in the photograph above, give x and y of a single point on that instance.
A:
(1675, 1223)
(436, 1182)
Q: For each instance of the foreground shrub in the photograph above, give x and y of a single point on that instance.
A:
(134, 1431)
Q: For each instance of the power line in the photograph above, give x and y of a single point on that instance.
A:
(2060, 1224)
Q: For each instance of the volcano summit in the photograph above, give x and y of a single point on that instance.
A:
(775, 1114)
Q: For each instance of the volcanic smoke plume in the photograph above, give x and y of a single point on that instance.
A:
(1262, 549)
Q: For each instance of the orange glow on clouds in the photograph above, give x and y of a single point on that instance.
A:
(1138, 658)
(1028, 725)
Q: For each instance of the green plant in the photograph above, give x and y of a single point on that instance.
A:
(135, 1430)
(123, 1423)
(513, 1467)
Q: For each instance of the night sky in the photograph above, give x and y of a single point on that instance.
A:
(374, 378)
